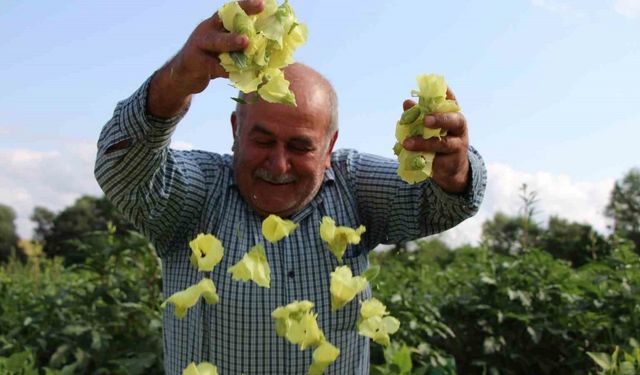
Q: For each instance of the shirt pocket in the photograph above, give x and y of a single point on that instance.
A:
(354, 252)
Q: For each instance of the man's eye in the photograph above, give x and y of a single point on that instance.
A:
(300, 148)
(263, 142)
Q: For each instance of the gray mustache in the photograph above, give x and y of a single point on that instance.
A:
(267, 176)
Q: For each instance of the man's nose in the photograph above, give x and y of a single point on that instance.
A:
(279, 162)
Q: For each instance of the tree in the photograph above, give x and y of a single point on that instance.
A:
(8, 237)
(624, 207)
(88, 214)
(529, 201)
(509, 235)
(574, 242)
(43, 218)
(513, 235)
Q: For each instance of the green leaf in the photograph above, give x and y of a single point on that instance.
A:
(69, 369)
(602, 359)
(239, 100)
(75, 330)
(371, 273)
(403, 360)
(60, 356)
(627, 368)
(137, 365)
(535, 336)
(614, 356)
(239, 59)
(15, 363)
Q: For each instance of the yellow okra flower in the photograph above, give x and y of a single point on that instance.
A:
(338, 238)
(344, 286)
(432, 93)
(206, 252)
(187, 298)
(275, 228)
(274, 34)
(204, 368)
(253, 266)
(324, 355)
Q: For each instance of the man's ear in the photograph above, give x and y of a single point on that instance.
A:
(234, 127)
(234, 124)
(332, 143)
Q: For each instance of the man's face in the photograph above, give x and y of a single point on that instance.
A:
(281, 153)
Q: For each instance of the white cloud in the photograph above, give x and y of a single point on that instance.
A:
(558, 195)
(556, 6)
(53, 179)
(628, 8)
(181, 145)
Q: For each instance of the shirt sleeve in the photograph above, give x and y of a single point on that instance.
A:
(157, 189)
(394, 211)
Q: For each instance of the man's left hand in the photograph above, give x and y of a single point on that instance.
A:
(451, 164)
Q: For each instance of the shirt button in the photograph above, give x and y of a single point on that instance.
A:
(290, 274)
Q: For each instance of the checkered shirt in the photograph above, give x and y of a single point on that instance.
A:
(171, 196)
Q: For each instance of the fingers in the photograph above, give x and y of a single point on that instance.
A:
(251, 6)
(408, 104)
(451, 95)
(216, 22)
(454, 123)
(444, 145)
(216, 38)
(217, 42)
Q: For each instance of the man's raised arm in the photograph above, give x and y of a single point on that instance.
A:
(157, 189)
(197, 63)
(395, 211)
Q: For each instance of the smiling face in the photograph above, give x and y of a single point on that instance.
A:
(281, 152)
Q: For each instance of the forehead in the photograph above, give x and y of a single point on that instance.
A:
(310, 117)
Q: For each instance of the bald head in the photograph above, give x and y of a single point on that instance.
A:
(281, 152)
(307, 85)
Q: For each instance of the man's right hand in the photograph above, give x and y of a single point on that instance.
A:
(196, 64)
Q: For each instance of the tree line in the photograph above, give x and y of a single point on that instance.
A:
(575, 242)
(84, 292)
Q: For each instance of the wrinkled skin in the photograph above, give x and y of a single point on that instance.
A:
(281, 152)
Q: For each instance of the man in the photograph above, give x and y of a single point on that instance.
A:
(283, 163)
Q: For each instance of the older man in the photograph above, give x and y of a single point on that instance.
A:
(283, 163)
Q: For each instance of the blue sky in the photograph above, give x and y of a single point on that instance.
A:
(549, 87)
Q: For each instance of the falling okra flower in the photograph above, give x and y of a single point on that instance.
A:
(206, 252)
(274, 228)
(297, 323)
(374, 323)
(324, 355)
(185, 299)
(253, 266)
(417, 166)
(204, 368)
(339, 237)
(344, 286)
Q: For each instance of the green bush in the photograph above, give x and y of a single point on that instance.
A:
(625, 363)
(500, 314)
(468, 311)
(99, 317)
